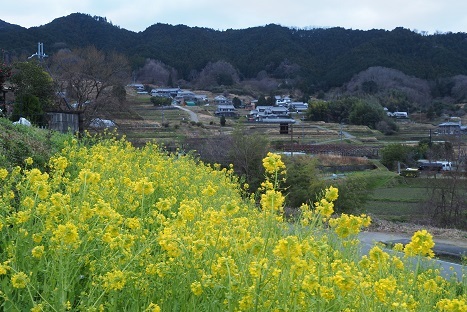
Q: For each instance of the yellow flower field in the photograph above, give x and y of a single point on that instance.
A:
(115, 228)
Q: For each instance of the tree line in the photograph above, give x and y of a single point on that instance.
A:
(309, 59)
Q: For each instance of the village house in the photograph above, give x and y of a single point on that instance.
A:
(298, 107)
(167, 92)
(185, 96)
(275, 114)
(137, 86)
(226, 110)
(282, 101)
(221, 100)
(451, 128)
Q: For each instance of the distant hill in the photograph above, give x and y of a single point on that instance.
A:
(317, 59)
(7, 26)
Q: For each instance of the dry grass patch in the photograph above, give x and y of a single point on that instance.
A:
(337, 160)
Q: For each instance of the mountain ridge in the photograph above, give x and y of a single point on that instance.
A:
(317, 58)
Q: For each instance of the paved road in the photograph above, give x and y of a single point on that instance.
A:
(193, 115)
(442, 248)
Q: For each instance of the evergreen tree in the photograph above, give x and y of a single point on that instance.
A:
(33, 91)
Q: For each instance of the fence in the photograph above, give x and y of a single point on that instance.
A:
(63, 122)
(336, 149)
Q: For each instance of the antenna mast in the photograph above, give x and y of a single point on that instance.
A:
(40, 52)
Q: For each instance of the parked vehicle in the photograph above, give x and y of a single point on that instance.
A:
(410, 172)
(435, 166)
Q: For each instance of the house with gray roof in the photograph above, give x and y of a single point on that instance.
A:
(451, 128)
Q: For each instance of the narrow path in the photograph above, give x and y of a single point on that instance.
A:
(193, 115)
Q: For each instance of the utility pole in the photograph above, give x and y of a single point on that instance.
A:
(291, 139)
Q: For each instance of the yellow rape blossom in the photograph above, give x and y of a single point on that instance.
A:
(324, 208)
(257, 267)
(378, 255)
(246, 303)
(36, 176)
(29, 161)
(196, 288)
(144, 187)
(196, 237)
(59, 200)
(344, 281)
(331, 194)
(37, 251)
(114, 280)
(210, 190)
(452, 305)
(23, 216)
(224, 267)
(272, 201)
(272, 163)
(326, 292)
(288, 248)
(38, 308)
(384, 288)
(421, 244)
(165, 204)
(153, 308)
(19, 280)
(3, 173)
(310, 283)
(58, 163)
(66, 234)
(89, 177)
(133, 223)
(37, 238)
(347, 225)
(4, 268)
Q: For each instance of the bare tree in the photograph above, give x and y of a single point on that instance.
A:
(459, 90)
(263, 84)
(156, 72)
(217, 74)
(447, 203)
(88, 75)
(242, 149)
(386, 79)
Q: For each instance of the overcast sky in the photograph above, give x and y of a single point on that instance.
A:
(421, 15)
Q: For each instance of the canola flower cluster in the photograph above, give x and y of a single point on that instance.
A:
(115, 228)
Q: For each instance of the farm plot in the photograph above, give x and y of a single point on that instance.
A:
(403, 202)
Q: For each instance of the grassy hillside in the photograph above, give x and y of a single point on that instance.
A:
(18, 142)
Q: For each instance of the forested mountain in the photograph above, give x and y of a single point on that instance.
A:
(316, 59)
